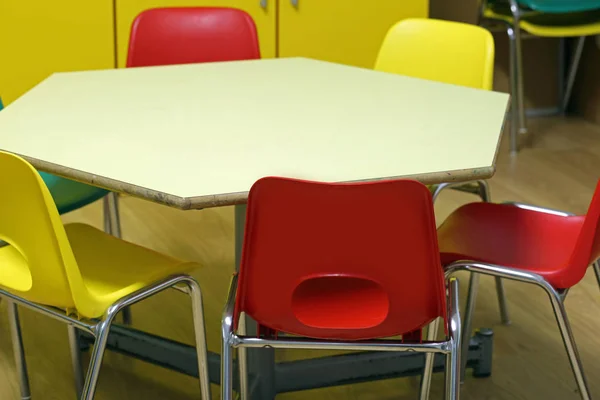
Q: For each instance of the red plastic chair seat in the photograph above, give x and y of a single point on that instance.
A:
(513, 237)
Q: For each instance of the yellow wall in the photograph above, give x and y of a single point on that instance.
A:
(344, 31)
(39, 37)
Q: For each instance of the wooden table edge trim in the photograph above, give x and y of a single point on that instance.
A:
(503, 128)
(110, 184)
(463, 175)
(230, 199)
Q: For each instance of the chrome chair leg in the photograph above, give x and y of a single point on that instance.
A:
(484, 193)
(227, 336)
(468, 322)
(112, 226)
(91, 379)
(557, 306)
(19, 352)
(226, 368)
(200, 336)
(101, 331)
(453, 358)
(106, 215)
(243, 362)
(453, 363)
(432, 331)
(569, 342)
(504, 316)
(518, 60)
(514, 117)
(453, 373)
(596, 265)
(76, 358)
(572, 73)
(113, 214)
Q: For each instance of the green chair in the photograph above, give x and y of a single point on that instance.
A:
(561, 6)
(542, 18)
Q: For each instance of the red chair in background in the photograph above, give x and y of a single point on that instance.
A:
(187, 35)
(165, 36)
(547, 248)
(341, 266)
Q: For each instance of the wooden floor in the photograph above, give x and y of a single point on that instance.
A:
(559, 171)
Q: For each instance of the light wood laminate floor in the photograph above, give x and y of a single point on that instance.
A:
(560, 171)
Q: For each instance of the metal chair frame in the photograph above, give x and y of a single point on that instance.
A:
(100, 330)
(238, 340)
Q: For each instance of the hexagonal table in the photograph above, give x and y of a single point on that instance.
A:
(199, 135)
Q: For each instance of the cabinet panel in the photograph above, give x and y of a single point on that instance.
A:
(262, 11)
(343, 31)
(40, 37)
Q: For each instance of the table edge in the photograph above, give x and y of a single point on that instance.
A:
(113, 185)
(429, 178)
(230, 199)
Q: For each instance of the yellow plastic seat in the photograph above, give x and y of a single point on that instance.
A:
(112, 268)
(76, 272)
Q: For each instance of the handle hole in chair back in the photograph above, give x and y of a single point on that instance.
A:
(340, 302)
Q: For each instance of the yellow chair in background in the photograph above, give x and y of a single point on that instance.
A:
(443, 51)
(449, 52)
(76, 273)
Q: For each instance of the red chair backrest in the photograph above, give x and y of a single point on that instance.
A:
(587, 247)
(166, 36)
(340, 261)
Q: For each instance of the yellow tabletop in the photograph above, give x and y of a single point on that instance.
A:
(194, 136)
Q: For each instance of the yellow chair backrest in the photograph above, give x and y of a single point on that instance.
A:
(40, 265)
(444, 51)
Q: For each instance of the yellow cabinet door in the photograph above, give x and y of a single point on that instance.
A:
(262, 11)
(344, 31)
(40, 37)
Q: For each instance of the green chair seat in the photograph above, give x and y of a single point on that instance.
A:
(561, 6)
(548, 18)
(70, 195)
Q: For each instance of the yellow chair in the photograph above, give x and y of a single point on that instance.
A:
(76, 273)
(449, 52)
(555, 18)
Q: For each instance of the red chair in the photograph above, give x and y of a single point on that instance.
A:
(546, 248)
(340, 266)
(165, 36)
